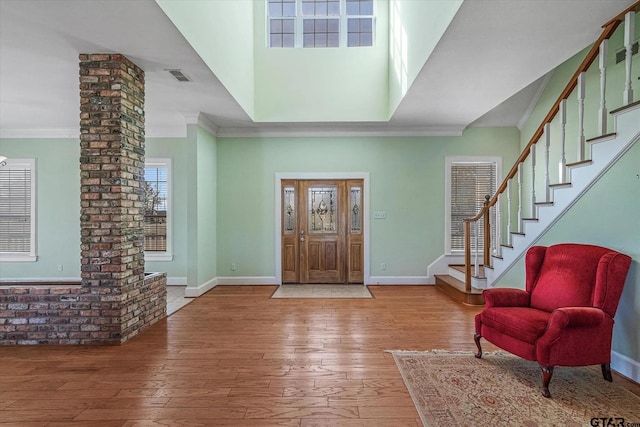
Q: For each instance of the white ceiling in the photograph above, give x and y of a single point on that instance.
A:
(486, 71)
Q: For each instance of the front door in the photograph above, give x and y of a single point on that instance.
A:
(322, 240)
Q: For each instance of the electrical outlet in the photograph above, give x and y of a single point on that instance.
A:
(233, 267)
(383, 266)
(60, 267)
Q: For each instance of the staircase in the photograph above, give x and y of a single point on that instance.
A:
(527, 187)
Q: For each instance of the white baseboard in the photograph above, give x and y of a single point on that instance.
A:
(247, 280)
(626, 366)
(196, 291)
(40, 280)
(398, 280)
(176, 281)
(441, 265)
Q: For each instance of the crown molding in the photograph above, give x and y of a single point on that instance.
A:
(200, 120)
(294, 130)
(40, 133)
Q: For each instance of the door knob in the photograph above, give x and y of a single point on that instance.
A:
(301, 232)
(302, 239)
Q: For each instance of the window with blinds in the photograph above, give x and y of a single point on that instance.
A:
(157, 230)
(469, 180)
(17, 210)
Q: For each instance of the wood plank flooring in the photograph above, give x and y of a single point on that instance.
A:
(235, 357)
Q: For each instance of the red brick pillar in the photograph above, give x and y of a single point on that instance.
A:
(112, 197)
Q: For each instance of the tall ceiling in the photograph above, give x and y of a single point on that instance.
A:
(486, 70)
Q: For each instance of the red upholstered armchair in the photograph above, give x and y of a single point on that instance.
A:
(565, 315)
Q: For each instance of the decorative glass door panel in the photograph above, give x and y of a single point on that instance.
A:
(322, 208)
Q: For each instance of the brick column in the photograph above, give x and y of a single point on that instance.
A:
(112, 197)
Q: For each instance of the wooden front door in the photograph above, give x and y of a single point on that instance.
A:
(322, 233)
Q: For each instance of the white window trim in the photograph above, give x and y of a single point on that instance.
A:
(299, 28)
(447, 192)
(167, 255)
(32, 255)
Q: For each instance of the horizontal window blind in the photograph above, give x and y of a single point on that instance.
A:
(470, 183)
(15, 209)
(155, 218)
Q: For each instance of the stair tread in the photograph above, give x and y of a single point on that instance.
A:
(560, 184)
(580, 163)
(544, 203)
(624, 107)
(605, 136)
(457, 284)
(461, 268)
(530, 219)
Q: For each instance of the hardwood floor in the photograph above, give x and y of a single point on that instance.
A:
(236, 357)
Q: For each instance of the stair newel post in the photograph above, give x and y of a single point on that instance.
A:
(563, 149)
(497, 241)
(509, 227)
(547, 145)
(519, 197)
(629, 23)
(487, 232)
(581, 138)
(477, 251)
(467, 255)
(533, 181)
(602, 111)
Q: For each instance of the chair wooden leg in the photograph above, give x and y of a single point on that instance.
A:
(547, 373)
(606, 372)
(476, 338)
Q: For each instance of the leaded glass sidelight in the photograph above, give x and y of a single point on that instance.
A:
(322, 210)
(355, 209)
(289, 209)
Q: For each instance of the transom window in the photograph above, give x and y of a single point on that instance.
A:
(320, 23)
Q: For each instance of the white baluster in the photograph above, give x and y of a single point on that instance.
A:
(547, 144)
(581, 90)
(520, 197)
(533, 180)
(602, 112)
(509, 213)
(629, 21)
(563, 134)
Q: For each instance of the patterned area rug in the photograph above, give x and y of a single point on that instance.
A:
(456, 389)
(322, 291)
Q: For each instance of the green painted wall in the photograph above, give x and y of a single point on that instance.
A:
(322, 84)
(207, 189)
(201, 206)
(406, 181)
(415, 28)
(58, 207)
(222, 33)
(175, 149)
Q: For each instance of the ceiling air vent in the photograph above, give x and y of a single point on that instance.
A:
(179, 76)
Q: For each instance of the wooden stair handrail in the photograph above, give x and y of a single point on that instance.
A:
(609, 28)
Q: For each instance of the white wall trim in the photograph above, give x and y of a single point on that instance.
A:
(202, 121)
(196, 291)
(40, 133)
(364, 176)
(441, 265)
(176, 281)
(626, 366)
(534, 101)
(247, 280)
(337, 130)
(399, 280)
